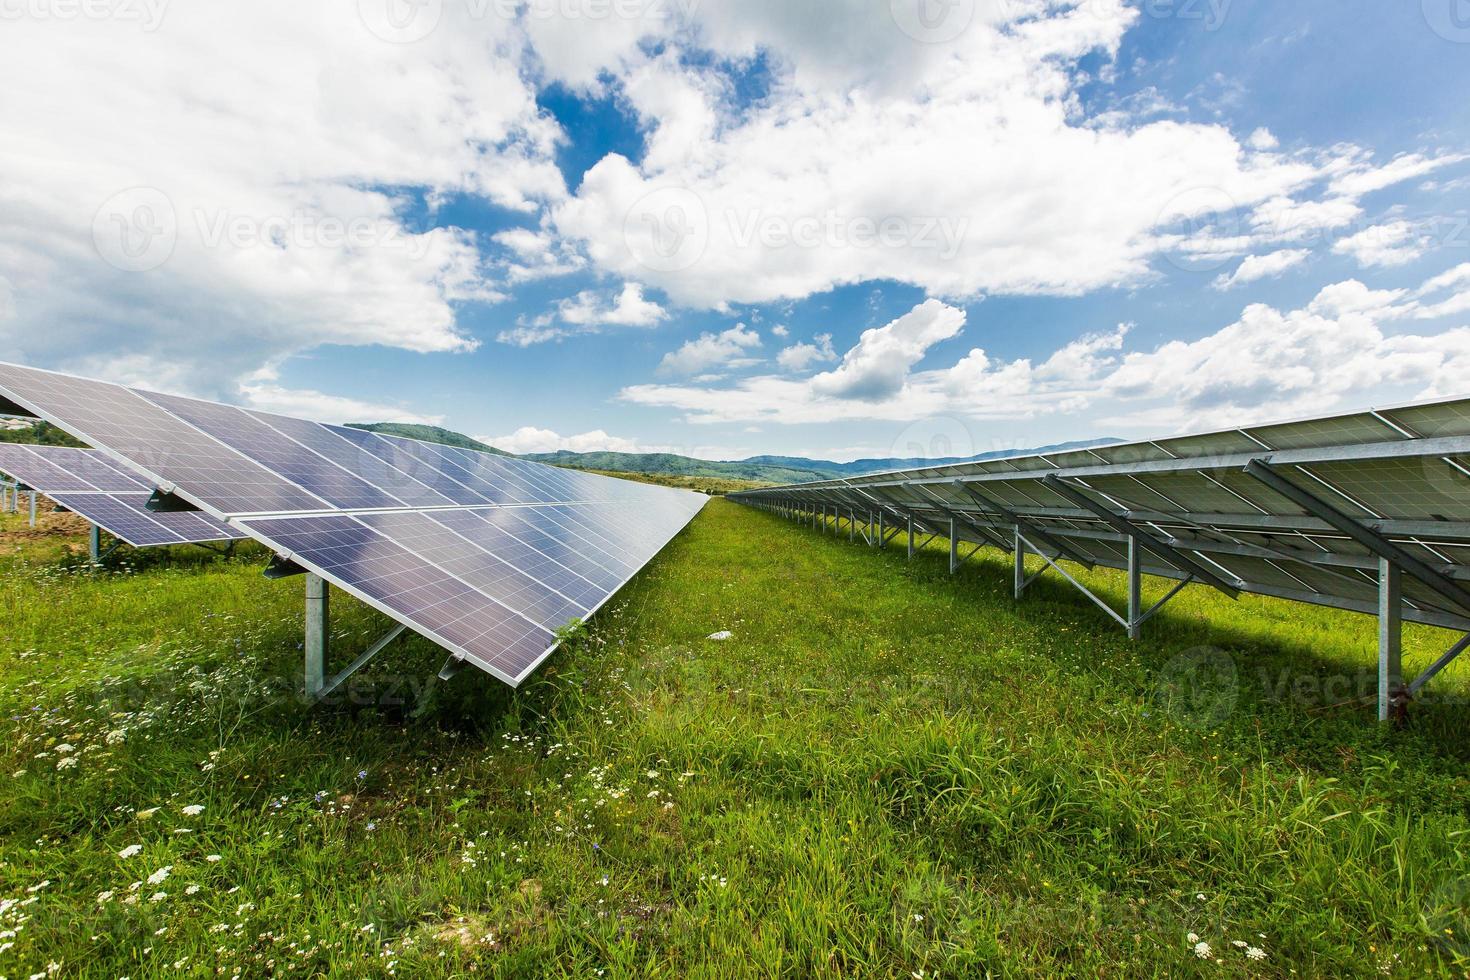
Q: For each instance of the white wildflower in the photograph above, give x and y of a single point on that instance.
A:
(193, 810)
(212, 858)
(130, 850)
(1202, 950)
(66, 762)
(1255, 953)
(157, 877)
(65, 747)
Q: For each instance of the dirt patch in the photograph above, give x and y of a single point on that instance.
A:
(478, 930)
(50, 523)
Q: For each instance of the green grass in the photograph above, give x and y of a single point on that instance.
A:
(886, 772)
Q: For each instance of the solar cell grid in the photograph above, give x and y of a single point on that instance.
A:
(331, 443)
(31, 469)
(403, 584)
(255, 440)
(120, 421)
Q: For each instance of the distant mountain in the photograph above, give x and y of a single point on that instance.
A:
(772, 469)
(426, 433)
(860, 467)
(668, 463)
(756, 469)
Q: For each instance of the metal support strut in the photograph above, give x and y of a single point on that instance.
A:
(318, 625)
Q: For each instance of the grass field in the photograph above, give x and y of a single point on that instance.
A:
(885, 772)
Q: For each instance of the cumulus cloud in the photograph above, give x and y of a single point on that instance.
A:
(1263, 267)
(246, 205)
(1393, 244)
(308, 404)
(586, 312)
(726, 350)
(798, 357)
(879, 365)
(1348, 342)
(529, 439)
(628, 309)
(815, 187)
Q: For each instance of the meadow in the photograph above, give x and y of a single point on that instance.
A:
(885, 771)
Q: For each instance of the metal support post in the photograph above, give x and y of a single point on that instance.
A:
(954, 547)
(317, 624)
(911, 537)
(1020, 557)
(1135, 588)
(94, 543)
(882, 542)
(33, 508)
(1392, 697)
(851, 526)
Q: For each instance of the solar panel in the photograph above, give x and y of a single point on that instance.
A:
(1402, 473)
(488, 555)
(88, 484)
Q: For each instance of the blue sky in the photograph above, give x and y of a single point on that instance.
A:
(652, 225)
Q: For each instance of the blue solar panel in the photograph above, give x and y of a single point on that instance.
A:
(405, 585)
(122, 422)
(31, 469)
(255, 440)
(400, 454)
(126, 516)
(486, 554)
(328, 442)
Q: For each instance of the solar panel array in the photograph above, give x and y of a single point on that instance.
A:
(490, 556)
(87, 483)
(1228, 505)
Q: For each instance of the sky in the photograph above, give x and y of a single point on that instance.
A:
(833, 228)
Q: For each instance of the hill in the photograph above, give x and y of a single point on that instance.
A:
(756, 470)
(771, 469)
(426, 433)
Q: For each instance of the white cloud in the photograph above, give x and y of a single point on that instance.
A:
(308, 404)
(726, 350)
(1393, 244)
(815, 187)
(536, 255)
(780, 330)
(878, 367)
(272, 159)
(1359, 178)
(628, 309)
(798, 357)
(586, 312)
(1263, 266)
(529, 439)
(1346, 344)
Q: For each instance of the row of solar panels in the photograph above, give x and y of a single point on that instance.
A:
(1302, 510)
(488, 555)
(87, 483)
